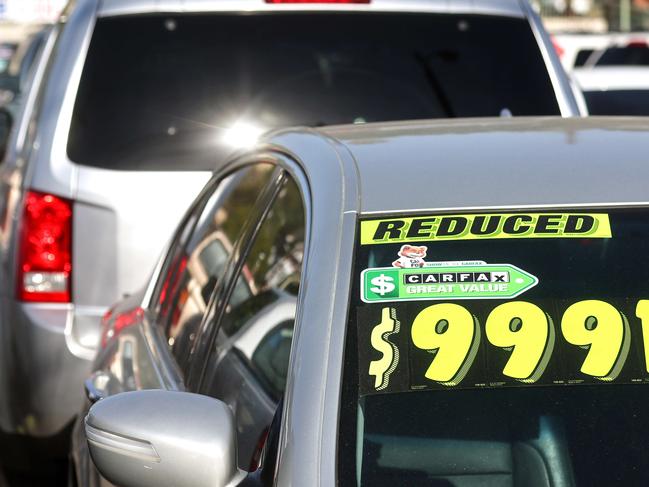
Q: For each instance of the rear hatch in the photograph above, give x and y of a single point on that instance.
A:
(164, 98)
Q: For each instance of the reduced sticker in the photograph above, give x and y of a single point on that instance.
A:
(485, 226)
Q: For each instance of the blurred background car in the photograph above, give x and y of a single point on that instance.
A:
(286, 326)
(578, 49)
(615, 90)
(134, 103)
(14, 81)
(633, 53)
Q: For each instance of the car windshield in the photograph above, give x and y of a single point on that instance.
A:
(156, 90)
(618, 102)
(498, 349)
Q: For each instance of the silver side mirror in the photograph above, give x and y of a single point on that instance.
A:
(160, 438)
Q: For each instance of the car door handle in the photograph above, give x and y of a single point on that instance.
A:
(95, 386)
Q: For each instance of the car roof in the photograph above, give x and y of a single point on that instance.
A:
(413, 167)
(613, 78)
(511, 8)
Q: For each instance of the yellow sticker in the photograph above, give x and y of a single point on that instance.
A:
(486, 226)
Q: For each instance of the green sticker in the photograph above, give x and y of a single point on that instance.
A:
(445, 280)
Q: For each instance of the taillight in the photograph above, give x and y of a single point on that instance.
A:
(317, 1)
(45, 249)
(121, 321)
(638, 43)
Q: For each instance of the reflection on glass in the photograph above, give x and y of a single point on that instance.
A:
(198, 264)
(249, 363)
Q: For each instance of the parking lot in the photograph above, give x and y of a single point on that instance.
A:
(282, 242)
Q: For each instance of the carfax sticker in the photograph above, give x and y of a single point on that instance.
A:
(412, 278)
(486, 226)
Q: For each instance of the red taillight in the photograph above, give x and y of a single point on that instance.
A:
(638, 43)
(45, 249)
(317, 1)
(122, 320)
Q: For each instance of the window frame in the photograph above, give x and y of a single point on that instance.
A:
(212, 318)
(151, 302)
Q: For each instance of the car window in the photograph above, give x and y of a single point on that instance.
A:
(618, 102)
(174, 92)
(197, 262)
(636, 55)
(248, 364)
(498, 349)
(582, 56)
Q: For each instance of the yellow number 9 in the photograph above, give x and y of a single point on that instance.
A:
(604, 331)
(453, 333)
(526, 330)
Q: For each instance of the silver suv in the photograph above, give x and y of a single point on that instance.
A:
(135, 102)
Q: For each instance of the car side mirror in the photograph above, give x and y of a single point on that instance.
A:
(157, 438)
(6, 122)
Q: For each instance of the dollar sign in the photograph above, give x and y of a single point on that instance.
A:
(383, 367)
(383, 284)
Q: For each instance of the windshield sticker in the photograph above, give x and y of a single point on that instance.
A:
(546, 342)
(443, 280)
(483, 226)
(382, 368)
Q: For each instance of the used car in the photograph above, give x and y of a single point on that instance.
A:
(135, 102)
(424, 303)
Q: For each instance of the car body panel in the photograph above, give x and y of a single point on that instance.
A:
(604, 78)
(127, 7)
(523, 174)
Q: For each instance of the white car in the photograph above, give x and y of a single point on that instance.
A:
(615, 90)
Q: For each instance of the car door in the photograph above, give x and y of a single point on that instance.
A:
(252, 323)
(148, 345)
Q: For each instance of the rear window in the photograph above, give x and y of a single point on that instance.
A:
(618, 102)
(499, 349)
(636, 55)
(161, 92)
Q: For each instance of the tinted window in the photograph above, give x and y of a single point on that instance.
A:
(630, 55)
(618, 102)
(498, 350)
(248, 366)
(197, 262)
(582, 56)
(157, 90)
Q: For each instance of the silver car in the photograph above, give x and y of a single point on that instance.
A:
(135, 103)
(422, 303)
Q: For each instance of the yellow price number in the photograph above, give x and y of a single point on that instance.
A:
(527, 331)
(601, 329)
(452, 334)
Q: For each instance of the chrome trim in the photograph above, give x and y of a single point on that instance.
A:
(129, 447)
